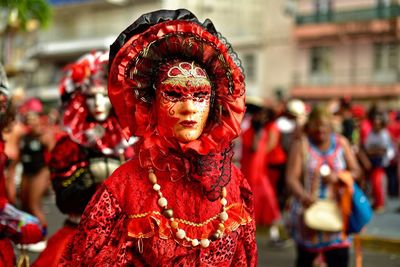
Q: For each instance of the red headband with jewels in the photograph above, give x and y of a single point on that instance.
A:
(182, 73)
(179, 81)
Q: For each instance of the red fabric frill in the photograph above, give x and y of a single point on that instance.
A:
(7, 258)
(148, 224)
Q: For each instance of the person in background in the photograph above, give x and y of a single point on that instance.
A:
(34, 148)
(290, 125)
(291, 122)
(15, 225)
(12, 135)
(320, 147)
(179, 201)
(380, 151)
(256, 146)
(393, 127)
(361, 123)
(89, 150)
(253, 105)
(348, 126)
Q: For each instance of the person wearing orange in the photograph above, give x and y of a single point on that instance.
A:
(314, 164)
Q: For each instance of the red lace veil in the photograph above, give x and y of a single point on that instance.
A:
(151, 41)
(89, 70)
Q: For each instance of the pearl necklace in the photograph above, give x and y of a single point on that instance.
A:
(180, 233)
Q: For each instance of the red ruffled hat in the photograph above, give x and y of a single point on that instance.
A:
(162, 36)
(151, 41)
(88, 70)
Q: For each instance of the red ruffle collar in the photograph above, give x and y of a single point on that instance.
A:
(105, 136)
(212, 171)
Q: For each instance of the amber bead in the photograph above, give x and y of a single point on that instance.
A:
(174, 224)
(223, 192)
(152, 178)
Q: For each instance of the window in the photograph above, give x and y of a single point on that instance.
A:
(386, 8)
(384, 3)
(323, 10)
(386, 56)
(320, 60)
(249, 64)
(320, 65)
(323, 6)
(386, 63)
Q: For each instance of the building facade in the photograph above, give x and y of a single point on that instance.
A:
(259, 31)
(347, 48)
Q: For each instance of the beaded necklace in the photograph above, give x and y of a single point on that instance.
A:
(168, 213)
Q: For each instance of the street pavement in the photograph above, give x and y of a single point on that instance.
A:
(383, 227)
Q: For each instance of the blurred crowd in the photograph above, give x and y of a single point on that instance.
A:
(294, 153)
(270, 129)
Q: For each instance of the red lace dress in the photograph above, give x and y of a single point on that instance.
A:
(122, 225)
(254, 167)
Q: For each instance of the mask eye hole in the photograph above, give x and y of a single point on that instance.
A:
(172, 94)
(201, 94)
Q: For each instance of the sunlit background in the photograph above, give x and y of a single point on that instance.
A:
(310, 49)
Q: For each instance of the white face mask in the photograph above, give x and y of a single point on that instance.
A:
(98, 103)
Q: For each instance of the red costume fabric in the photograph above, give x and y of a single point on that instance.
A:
(55, 247)
(276, 157)
(7, 257)
(123, 224)
(254, 165)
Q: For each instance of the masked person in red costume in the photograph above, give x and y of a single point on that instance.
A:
(92, 147)
(179, 202)
(15, 225)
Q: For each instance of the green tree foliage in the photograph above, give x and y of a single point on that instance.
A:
(26, 14)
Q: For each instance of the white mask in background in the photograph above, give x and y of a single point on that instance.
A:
(98, 103)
